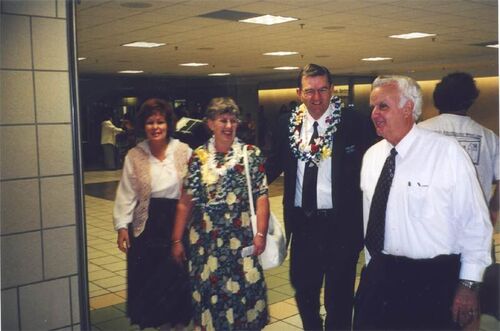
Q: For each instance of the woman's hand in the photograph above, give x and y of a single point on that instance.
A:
(259, 243)
(123, 240)
(178, 253)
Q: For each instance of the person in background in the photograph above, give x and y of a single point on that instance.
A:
(158, 292)
(427, 228)
(108, 140)
(228, 287)
(453, 96)
(319, 148)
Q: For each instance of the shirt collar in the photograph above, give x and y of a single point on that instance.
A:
(403, 147)
(309, 120)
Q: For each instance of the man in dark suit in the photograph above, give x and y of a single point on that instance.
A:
(319, 147)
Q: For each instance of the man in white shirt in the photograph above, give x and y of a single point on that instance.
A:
(424, 268)
(453, 97)
(108, 141)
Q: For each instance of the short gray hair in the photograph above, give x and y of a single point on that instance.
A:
(220, 106)
(409, 89)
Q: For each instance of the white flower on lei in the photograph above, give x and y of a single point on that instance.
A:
(201, 251)
(231, 198)
(213, 299)
(196, 296)
(232, 287)
(193, 236)
(212, 263)
(208, 176)
(229, 316)
(234, 243)
(220, 242)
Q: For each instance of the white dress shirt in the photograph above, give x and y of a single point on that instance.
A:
(164, 183)
(324, 182)
(436, 205)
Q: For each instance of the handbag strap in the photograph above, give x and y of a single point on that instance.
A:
(249, 181)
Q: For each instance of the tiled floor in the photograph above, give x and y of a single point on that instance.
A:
(107, 267)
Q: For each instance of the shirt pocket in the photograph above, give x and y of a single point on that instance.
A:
(418, 201)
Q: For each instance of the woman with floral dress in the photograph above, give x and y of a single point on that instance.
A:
(228, 287)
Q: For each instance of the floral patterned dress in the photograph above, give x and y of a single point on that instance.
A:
(229, 291)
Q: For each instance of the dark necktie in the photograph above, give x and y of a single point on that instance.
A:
(309, 199)
(375, 231)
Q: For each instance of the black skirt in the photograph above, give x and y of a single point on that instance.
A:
(158, 290)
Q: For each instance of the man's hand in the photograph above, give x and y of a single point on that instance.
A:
(465, 307)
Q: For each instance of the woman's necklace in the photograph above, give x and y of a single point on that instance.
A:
(321, 148)
(232, 157)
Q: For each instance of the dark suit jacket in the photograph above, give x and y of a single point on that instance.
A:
(353, 137)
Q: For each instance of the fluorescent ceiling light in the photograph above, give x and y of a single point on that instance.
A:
(220, 74)
(492, 46)
(286, 68)
(82, 58)
(143, 44)
(268, 20)
(193, 64)
(281, 53)
(378, 58)
(413, 35)
(130, 71)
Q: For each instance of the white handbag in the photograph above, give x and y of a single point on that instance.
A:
(275, 252)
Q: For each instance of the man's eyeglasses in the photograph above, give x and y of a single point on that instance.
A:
(310, 92)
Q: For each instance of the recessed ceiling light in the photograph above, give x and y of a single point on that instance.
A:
(268, 19)
(286, 68)
(492, 46)
(193, 64)
(130, 71)
(281, 53)
(220, 74)
(82, 58)
(413, 35)
(378, 58)
(144, 44)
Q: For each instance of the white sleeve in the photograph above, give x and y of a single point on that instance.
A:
(111, 126)
(474, 226)
(126, 198)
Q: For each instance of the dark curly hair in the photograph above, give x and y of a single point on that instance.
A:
(152, 106)
(456, 92)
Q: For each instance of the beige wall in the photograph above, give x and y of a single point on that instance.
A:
(485, 110)
(38, 228)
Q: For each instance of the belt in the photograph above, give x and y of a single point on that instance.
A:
(315, 212)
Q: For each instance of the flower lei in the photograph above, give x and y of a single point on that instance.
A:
(321, 148)
(214, 186)
(211, 170)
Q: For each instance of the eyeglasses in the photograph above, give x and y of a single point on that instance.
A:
(310, 92)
